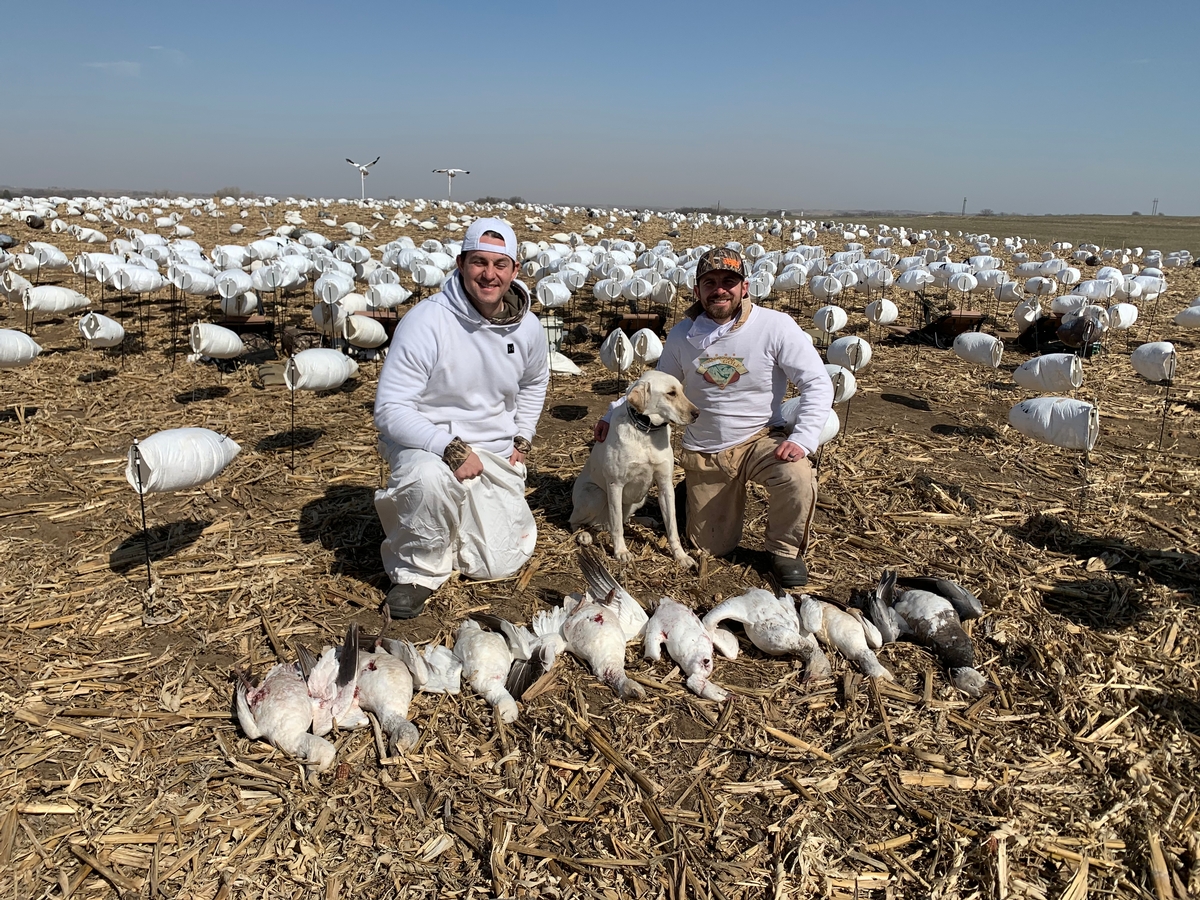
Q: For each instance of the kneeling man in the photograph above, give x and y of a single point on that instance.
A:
(735, 360)
(457, 408)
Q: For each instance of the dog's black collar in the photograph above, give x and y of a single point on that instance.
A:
(643, 423)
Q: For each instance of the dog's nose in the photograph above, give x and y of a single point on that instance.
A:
(695, 414)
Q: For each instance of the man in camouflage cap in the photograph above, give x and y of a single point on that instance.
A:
(735, 360)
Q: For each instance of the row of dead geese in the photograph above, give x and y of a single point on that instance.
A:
(297, 704)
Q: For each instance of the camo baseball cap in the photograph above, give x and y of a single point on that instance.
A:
(721, 259)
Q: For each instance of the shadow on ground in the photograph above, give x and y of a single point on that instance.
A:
(18, 413)
(568, 412)
(164, 541)
(200, 394)
(613, 387)
(97, 375)
(552, 495)
(981, 432)
(283, 440)
(910, 402)
(344, 522)
(1112, 595)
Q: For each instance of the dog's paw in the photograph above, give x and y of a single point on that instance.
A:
(683, 560)
(583, 538)
(623, 556)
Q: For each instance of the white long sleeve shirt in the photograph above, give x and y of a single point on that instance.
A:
(740, 380)
(451, 373)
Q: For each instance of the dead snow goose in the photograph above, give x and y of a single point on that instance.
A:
(332, 681)
(593, 633)
(534, 649)
(845, 633)
(773, 626)
(486, 659)
(435, 670)
(601, 584)
(966, 604)
(931, 620)
(279, 710)
(690, 643)
(385, 688)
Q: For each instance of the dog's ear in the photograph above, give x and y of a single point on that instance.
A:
(639, 397)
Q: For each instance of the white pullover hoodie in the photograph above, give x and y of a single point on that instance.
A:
(452, 373)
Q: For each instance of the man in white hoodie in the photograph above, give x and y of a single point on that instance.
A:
(735, 361)
(457, 408)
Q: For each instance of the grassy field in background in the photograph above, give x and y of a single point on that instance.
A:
(1165, 233)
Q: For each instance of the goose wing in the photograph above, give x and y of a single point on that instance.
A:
(965, 603)
(602, 584)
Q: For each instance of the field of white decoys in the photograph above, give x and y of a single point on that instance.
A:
(1015, 416)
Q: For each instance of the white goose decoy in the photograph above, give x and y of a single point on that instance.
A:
(851, 636)
(690, 644)
(486, 659)
(279, 710)
(932, 621)
(332, 684)
(773, 626)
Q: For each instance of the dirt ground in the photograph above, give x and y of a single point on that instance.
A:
(124, 772)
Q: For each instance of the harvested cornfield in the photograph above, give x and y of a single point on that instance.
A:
(124, 771)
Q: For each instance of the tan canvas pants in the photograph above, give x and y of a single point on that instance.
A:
(716, 495)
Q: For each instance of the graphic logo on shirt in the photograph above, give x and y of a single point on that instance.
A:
(721, 370)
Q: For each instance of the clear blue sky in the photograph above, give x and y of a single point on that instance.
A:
(1019, 106)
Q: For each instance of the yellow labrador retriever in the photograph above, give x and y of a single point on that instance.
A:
(636, 453)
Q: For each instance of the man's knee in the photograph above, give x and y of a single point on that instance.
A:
(794, 477)
(418, 467)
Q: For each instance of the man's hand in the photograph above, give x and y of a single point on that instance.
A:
(789, 452)
(472, 468)
(517, 458)
(600, 432)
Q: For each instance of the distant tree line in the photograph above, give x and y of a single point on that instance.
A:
(55, 191)
(512, 200)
